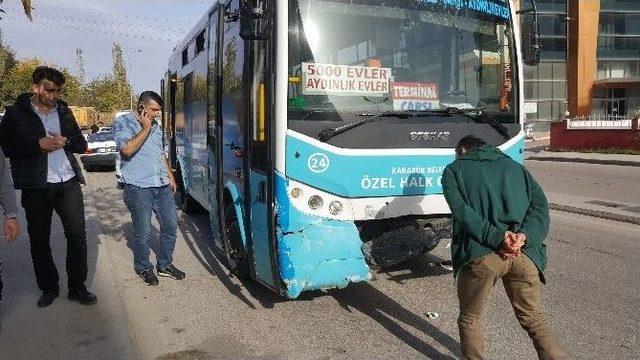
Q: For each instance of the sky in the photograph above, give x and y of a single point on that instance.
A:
(147, 30)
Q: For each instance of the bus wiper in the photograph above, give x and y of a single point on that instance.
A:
(478, 116)
(475, 114)
(326, 134)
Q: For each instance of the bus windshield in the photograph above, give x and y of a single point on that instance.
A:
(356, 58)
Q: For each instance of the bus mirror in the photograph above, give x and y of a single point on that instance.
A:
(252, 23)
(530, 36)
(531, 44)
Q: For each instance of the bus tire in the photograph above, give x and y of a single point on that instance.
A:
(237, 259)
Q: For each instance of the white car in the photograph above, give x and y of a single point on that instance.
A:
(102, 151)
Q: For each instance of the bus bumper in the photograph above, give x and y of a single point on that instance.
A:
(316, 252)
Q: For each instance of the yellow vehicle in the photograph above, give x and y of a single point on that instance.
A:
(85, 116)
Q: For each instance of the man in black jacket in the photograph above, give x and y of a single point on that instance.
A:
(39, 136)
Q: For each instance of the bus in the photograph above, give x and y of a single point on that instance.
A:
(315, 132)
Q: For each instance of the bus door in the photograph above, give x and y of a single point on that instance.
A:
(233, 212)
(260, 166)
(214, 145)
(244, 148)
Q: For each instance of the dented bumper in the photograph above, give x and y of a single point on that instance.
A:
(315, 252)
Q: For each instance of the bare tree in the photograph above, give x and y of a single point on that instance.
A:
(26, 4)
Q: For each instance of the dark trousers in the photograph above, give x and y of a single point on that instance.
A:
(66, 199)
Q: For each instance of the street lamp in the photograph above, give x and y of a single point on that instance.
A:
(131, 51)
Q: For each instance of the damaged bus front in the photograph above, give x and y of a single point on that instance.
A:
(373, 97)
(315, 132)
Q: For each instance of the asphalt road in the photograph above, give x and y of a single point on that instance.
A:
(601, 182)
(592, 300)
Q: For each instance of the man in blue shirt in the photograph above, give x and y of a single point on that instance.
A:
(148, 186)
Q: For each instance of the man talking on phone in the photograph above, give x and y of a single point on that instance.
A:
(39, 136)
(148, 185)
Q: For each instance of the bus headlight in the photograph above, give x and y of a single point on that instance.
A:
(335, 207)
(315, 202)
(296, 193)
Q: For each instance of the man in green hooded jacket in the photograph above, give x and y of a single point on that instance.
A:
(500, 219)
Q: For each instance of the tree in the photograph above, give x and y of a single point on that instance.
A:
(19, 79)
(73, 92)
(80, 66)
(104, 95)
(77, 92)
(7, 62)
(26, 4)
(122, 88)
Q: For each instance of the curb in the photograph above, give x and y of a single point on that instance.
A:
(535, 138)
(584, 161)
(596, 213)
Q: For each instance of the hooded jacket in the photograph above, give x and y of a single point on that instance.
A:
(20, 132)
(489, 193)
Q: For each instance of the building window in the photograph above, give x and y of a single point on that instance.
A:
(552, 25)
(619, 23)
(609, 69)
(553, 48)
(619, 47)
(619, 5)
(550, 5)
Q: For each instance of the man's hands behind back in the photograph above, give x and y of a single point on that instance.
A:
(512, 245)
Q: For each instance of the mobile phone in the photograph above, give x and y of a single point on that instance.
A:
(141, 109)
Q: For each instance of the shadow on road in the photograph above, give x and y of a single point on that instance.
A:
(419, 267)
(392, 315)
(197, 234)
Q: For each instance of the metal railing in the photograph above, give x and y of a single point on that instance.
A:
(600, 122)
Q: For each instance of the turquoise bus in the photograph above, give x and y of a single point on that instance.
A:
(315, 132)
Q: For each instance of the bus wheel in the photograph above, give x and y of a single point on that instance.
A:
(237, 262)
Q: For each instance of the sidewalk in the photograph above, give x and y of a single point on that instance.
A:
(588, 206)
(578, 157)
(65, 329)
(537, 151)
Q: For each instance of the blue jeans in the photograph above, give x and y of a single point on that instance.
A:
(141, 202)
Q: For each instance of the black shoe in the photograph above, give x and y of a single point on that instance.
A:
(172, 272)
(149, 277)
(47, 299)
(83, 297)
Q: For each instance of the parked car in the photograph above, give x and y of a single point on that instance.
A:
(101, 151)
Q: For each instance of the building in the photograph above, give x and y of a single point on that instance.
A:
(590, 60)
